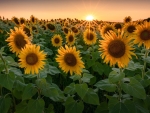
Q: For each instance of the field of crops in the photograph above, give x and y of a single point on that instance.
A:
(74, 66)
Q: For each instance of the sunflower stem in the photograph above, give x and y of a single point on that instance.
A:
(4, 63)
(144, 66)
(119, 87)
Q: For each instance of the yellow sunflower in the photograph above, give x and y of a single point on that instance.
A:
(15, 20)
(116, 49)
(65, 30)
(26, 29)
(33, 19)
(70, 38)
(89, 37)
(31, 58)
(56, 40)
(118, 25)
(22, 20)
(17, 40)
(107, 27)
(129, 28)
(143, 35)
(69, 60)
(51, 27)
(127, 19)
(75, 30)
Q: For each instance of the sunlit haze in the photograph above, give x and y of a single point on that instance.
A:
(107, 10)
(89, 18)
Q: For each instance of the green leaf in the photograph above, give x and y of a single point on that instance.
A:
(48, 90)
(50, 109)
(91, 97)
(4, 104)
(90, 62)
(133, 66)
(81, 89)
(130, 106)
(112, 102)
(18, 85)
(71, 106)
(119, 108)
(7, 80)
(86, 77)
(22, 107)
(10, 61)
(53, 70)
(29, 91)
(36, 106)
(16, 71)
(75, 77)
(133, 87)
(103, 108)
(140, 105)
(98, 67)
(105, 85)
(115, 77)
(70, 89)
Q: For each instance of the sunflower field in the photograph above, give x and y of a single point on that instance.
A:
(74, 66)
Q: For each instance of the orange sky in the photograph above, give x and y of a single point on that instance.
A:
(107, 10)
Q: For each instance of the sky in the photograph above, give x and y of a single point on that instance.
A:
(106, 10)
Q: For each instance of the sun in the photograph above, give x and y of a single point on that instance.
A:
(89, 18)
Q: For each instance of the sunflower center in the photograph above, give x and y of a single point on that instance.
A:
(27, 31)
(145, 35)
(118, 26)
(90, 36)
(70, 59)
(33, 20)
(16, 21)
(131, 29)
(56, 40)
(107, 29)
(19, 41)
(74, 30)
(128, 20)
(51, 27)
(116, 48)
(31, 59)
(22, 21)
(70, 38)
(66, 30)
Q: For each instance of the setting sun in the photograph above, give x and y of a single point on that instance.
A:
(89, 18)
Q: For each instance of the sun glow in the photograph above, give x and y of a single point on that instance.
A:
(89, 18)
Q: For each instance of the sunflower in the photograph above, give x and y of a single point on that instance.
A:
(43, 26)
(89, 37)
(22, 20)
(65, 30)
(107, 27)
(56, 40)
(31, 58)
(15, 20)
(127, 19)
(75, 30)
(70, 38)
(116, 49)
(118, 25)
(33, 19)
(26, 29)
(143, 35)
(51, 27)
(17, 40)
(69, 60)
(129, 28)
(34, 28)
